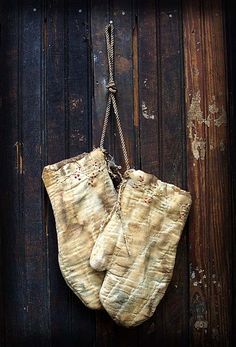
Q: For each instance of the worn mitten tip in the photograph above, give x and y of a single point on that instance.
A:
(97, 263)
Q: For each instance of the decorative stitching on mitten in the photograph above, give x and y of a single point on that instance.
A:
(184, 211)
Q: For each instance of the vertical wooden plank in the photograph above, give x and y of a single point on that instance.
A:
(12, 250)
(55, 150)
(99, 19)
(79, 66)
(231, 50)
(148, 86)
(78, 101)
(122, 14)
(196, 133)
(105, 327)
(147, 118)
(173, 163)
(208, 179)
(36, 290)
(217, 153)
(2, 309)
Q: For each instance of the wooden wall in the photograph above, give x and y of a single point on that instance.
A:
(172, 73)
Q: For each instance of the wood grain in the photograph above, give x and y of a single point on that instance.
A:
(122, 16)
(79, 137)
(230, 33)
(55, 150)
(149, 116)
(172, 154)
(206, 103)
(12, 242)
(100, 16)
(218, 175)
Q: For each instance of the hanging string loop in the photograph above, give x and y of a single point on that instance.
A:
(112, 90)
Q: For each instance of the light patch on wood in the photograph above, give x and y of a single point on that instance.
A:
(216, 117)
(212, 107)
(146, 114)
(19, 159)
(198, 148)
(194, 117)
(75, 103)
(221, 119)
(195, 113)
(198, 277)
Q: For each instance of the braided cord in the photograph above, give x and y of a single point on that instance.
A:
(109, 33)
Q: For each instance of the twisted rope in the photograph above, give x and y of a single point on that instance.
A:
(111, 86)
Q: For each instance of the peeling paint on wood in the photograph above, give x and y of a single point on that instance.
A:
(198, 148)
(212, 107)
(195, 114)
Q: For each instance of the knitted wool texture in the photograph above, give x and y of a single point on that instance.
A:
(137, 246)
(82, 193)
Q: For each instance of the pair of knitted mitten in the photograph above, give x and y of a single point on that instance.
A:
(82, 194)
(137, 246)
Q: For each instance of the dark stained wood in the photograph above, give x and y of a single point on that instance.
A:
(147, 27)
(147, 121)
(99, 77)
(78, 109)
(171, 69)
(230, 31)
(78, 70)
(172, 155)
(12, 242)
(55, 150)
(208, 174)
(36, 299)
(219, 208)
(198, 236)
(100, 16)
(122, 16)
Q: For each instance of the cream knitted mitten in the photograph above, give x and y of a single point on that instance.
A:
(82, 194)
(138, 246)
